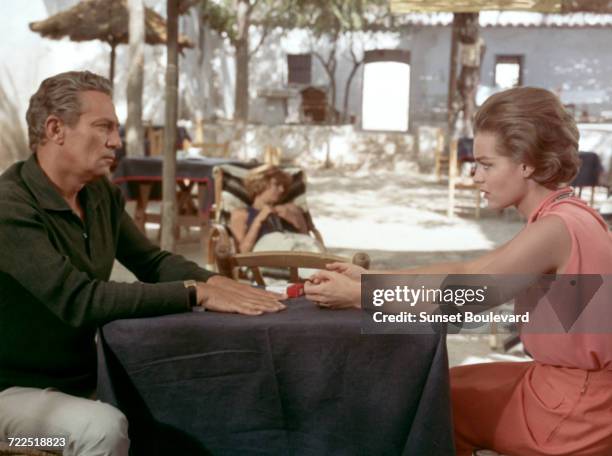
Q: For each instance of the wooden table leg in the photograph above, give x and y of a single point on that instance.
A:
(142, 201)
(203, 215)
(184, 206)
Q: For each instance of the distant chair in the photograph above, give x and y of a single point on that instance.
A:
(431, 142)
(156, 141)
(216, 150)
(273, 155)
(155, 138)
(589, 174)
(314, 104)
(460, 152)
(465, 151)
(223, 255)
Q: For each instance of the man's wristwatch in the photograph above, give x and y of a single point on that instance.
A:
(192, 287)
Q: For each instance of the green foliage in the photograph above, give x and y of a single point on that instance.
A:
(337, 17)
(221, 15)
(13, 139)
(321, 17)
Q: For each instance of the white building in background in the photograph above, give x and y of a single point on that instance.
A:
(568, 54)
(403, 86)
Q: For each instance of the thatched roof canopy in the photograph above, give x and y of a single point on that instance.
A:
(104, 20)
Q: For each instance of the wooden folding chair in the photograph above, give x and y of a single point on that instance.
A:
(216, 150)
(156, 141)
(230, 194)
(455, 181)
(223, 254)
(229, 262)
(273, 155)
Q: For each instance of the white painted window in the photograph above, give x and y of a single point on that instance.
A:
(508, 71)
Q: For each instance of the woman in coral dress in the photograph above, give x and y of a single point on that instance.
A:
(526, 149)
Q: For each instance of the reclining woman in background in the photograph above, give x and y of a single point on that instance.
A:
(259, 226)
(526, 149)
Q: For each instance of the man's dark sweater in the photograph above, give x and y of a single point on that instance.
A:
(54, 271)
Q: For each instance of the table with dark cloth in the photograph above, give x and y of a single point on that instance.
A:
(132, 170)
(140, 179)
(304, 381)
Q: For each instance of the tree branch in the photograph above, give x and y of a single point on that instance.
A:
(252, 6)
(266, 31)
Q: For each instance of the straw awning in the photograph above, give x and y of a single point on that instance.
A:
(104, 20)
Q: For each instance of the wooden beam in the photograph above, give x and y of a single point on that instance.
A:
(168, 209)
(452, 77)
(475, 6)
(587, 6)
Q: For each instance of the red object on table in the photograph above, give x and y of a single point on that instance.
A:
(295, 290)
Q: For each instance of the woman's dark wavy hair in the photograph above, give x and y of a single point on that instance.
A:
(257, 179)
(533, 127)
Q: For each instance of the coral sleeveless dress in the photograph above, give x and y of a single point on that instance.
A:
(561, 403)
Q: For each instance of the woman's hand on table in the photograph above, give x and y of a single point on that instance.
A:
(220, 294)
(352, 271)
(334, 290)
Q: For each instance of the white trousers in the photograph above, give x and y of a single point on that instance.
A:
(90, 427)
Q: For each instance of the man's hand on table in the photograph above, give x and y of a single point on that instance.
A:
(334, 290)
(221, 294)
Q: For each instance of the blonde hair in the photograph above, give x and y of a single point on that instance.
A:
(59, 96)
(257, 179)
(533, 127)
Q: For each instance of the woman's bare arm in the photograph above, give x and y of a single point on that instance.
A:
(294, 215)
(246, 238)
(540, 248)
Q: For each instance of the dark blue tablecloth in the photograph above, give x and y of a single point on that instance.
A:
(131, 171)
(301, 382)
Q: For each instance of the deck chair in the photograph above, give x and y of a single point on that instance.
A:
(228, 263)
(220, 150)
(431, 144)
(223, 254)
(460, 151)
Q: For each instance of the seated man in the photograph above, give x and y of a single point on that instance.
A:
(62, 224)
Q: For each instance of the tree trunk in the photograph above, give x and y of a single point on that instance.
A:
(345, 114)
(134, 133)
(169, 173)
(329, 65)
(331, 112)
(111, 75)
(469, 76)
(241, 94)
(452, 106)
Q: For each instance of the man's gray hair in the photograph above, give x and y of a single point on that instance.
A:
(59, 96)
